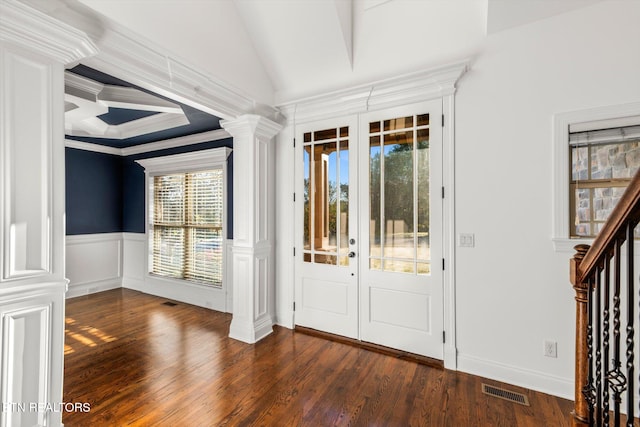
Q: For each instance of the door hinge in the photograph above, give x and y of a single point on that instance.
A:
(294, 197)
(294, 143)
(294, 251)
(443, 264)
(294, 306)
(443, 120)
(444, 340)
(443, 192)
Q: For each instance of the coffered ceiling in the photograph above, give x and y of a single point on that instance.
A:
(104, 110)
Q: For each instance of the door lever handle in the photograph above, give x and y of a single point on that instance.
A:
(352, 254)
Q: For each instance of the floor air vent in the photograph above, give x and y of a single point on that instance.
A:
(169, 303)
(501, 393)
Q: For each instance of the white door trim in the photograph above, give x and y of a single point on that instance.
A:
(428, 84)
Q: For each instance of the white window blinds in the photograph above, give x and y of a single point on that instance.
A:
(186, 222)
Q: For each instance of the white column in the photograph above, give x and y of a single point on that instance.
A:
(253, 226)
(33, 50)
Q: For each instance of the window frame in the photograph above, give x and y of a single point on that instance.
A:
(592, 118)
(194, 161)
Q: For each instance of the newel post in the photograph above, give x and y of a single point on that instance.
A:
(580, 414)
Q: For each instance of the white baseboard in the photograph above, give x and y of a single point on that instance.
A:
(285, 318)
(534, 380)
(92, 288)
(201, 296)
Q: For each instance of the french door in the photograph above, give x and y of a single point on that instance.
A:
(401, 228)
(371, 240)
(326, 293)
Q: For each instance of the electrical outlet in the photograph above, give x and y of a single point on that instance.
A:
(551, 349)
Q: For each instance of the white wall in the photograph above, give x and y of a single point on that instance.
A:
(513, 289)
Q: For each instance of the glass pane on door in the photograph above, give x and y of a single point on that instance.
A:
(399, 195)
(326, 196)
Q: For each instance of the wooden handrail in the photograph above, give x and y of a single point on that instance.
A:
(627, 210)
(585, 266)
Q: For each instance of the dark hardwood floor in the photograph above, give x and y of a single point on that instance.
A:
(139, 362)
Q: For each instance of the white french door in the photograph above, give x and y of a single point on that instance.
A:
(369, 228)
(401, 299)
(326, 292)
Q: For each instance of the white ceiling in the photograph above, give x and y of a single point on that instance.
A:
(281, 50)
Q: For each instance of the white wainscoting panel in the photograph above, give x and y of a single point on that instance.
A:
(30, 339)
(94, 263)
(136, 277)
(227, 273)
(135, 257)
(26, 165)
(25, 334)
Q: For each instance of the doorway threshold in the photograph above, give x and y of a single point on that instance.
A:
(398, 354)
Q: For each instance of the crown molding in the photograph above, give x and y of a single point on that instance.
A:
(96, 148)
(187, 161)
(134, 99)
(157, 122)
(81, 86)
(198, 138)
(401, 90)
(26, 27)
(127, 55)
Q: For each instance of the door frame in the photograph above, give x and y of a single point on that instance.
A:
(424, 85)
(439, 83)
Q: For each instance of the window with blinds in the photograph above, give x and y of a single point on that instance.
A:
(186, 223)
(603, 161)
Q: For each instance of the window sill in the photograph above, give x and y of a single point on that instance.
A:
(182, 282)
(566, 245)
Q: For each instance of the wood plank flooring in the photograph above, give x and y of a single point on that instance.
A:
(139, 362)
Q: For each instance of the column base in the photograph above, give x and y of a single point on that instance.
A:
(248, 331)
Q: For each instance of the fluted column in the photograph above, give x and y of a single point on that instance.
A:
(253, 226)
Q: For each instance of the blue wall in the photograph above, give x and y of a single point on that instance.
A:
(117, 203)
(133, 215)
(93, 192)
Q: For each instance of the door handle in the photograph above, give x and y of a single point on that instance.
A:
(352, 254)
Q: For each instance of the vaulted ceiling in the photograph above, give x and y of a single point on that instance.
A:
(307, 47)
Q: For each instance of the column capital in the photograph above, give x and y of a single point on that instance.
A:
(251, 125)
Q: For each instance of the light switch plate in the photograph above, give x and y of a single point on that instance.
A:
(466, 240)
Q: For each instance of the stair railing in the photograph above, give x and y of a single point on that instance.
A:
(604, 281)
